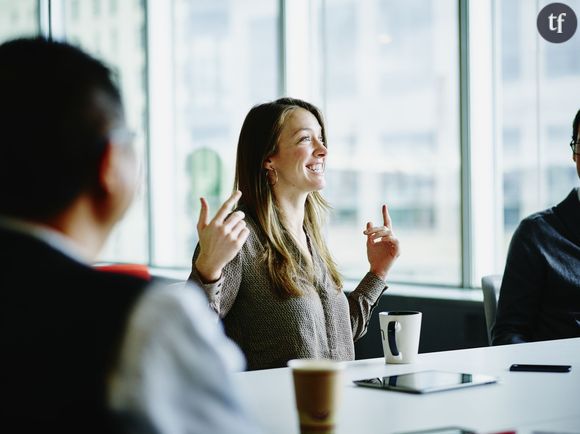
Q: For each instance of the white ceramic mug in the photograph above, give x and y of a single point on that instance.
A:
(400, 332)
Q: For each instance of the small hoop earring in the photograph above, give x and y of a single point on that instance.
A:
(272, 177)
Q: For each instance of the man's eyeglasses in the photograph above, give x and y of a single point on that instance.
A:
(122, 136)
(575, 147)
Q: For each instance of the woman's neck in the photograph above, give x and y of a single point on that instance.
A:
(293, 214)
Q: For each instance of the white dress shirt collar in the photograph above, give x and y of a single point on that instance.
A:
(55, 239)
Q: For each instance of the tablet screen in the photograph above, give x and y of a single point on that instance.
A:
(427, 381)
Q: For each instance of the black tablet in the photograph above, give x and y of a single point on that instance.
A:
(427, 381)
(443, 430)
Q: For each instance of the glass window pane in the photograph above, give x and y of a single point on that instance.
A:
(391, 86)
(536, 105)
(114, 32)
(225, 60)
(18, 19)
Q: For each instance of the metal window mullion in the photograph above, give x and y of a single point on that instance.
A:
(149, 203)
(282, 81)
(540, 188)
(43, 16)
(498, 137)
(465, 153)
(52, 19)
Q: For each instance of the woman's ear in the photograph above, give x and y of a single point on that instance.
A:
(268, 164)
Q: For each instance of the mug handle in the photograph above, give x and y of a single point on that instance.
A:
(392, 328)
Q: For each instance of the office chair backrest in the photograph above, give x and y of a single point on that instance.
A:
(137, 270)
(490, 286)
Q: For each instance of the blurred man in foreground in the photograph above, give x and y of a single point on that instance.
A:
(83, 350)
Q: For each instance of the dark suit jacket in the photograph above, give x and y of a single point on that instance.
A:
(60, 327)
(540, 292)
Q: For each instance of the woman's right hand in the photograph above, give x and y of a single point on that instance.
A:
(220, 239)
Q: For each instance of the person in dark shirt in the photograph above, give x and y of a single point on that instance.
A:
(540, 292)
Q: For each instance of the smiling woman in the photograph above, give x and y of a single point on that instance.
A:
(266, 268)
(299, 162)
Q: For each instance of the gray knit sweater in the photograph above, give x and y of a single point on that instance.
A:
(322, 323)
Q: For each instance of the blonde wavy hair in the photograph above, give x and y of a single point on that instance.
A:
(257, 142)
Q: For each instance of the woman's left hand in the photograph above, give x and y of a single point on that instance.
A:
(382, 246)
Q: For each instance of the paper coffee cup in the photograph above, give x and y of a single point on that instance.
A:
(318, 391)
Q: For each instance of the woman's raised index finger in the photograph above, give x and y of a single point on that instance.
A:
(202, 221)
(386, 217)
(227, 206)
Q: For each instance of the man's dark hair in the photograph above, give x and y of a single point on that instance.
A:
(575, 126)
(57, 107)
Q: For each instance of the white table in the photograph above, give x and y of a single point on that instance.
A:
(523, 401)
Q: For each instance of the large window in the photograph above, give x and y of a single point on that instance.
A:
(536, 103)
(221, 58)
(391, 98)
(389, 78)
(114, 31)
(18, 18)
